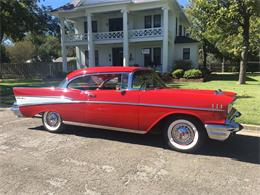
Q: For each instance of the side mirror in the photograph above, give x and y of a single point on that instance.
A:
(122, 91)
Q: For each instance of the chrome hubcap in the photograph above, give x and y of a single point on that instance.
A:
(182, 134)
(52, 119)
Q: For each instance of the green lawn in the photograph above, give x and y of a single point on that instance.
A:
(248, 102)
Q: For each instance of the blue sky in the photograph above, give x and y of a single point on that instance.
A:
(58, 3)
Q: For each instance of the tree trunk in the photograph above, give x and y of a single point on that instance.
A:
(244, 53)
(223, 65)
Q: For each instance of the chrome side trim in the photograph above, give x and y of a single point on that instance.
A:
(28, 96)
(104, 127)
(128, 104)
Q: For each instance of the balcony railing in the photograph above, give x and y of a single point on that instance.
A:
(117, 35)
(146, 33)
(104, 36)
(76, 37)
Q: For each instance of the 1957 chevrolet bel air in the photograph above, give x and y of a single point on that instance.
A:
(134, 100)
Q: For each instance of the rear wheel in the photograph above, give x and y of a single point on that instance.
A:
(184, 134)
(52, 122)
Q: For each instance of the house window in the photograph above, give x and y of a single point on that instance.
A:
(152, 57)
(94, 27)
(157, 21)
(115, 24)
(184, 31)
(157, 56)
(186, 53)
(152, 21)
(148, 22)
(180, 30)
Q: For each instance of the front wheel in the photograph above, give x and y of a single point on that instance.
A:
(184, 134)
(52, 122)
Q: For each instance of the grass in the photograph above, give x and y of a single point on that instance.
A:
(248, 102)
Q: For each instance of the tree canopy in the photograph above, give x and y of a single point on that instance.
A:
(19, 17)
(231, 26)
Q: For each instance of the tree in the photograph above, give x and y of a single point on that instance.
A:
(21, 52)
(19, 17)
(227, 25)
(3, 55)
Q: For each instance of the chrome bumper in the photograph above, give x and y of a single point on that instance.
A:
(16, 110)
(222, 132)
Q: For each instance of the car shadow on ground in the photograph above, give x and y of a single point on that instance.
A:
(238, 147)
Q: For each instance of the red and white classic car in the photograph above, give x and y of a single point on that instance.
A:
(134, 100)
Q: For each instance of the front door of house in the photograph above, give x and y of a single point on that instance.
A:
(117, 54)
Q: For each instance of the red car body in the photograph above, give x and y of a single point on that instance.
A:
(133, 110)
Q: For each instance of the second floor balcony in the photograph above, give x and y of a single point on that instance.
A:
(137, 35)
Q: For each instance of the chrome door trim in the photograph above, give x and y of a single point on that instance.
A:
(130, 104)
(104, 127)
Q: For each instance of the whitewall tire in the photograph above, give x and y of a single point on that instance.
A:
(184, 134)
(52, 122)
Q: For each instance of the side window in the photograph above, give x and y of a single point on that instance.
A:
(146, 80)
(114, 82)
(90, 82)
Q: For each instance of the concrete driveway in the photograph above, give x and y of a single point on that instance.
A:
(94, 161)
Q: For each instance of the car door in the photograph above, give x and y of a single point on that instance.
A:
(112, 105)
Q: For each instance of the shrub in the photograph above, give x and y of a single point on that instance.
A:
(205, 71)
(183, 64)
(177, 74)
(193, 74)
(166, 76)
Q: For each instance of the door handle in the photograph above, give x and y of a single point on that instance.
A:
(91, 95)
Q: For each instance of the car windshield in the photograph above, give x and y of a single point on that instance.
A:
(147, 79)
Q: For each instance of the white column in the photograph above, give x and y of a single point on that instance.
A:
(125, 41)
(91, 49)
(165, 38)
(63, 47)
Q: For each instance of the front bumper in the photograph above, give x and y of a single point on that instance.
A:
(16, 110)
(222, 132)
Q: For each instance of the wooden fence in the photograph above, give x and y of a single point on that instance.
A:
(33, 70)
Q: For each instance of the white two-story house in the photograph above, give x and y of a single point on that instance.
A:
(127, 33)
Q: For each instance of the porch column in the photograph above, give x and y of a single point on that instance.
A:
(125, 41)
(91, 48)
(63, 47)
(165, 38)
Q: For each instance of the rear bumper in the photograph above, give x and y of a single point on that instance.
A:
(16, 110)
(222, 132)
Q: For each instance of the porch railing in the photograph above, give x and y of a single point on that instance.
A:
(117, 35)
(76, 37)
(146, 33)
(114, 35)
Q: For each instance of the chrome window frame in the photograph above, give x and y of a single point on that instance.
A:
(66, 84)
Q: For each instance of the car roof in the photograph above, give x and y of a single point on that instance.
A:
(104, 69)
